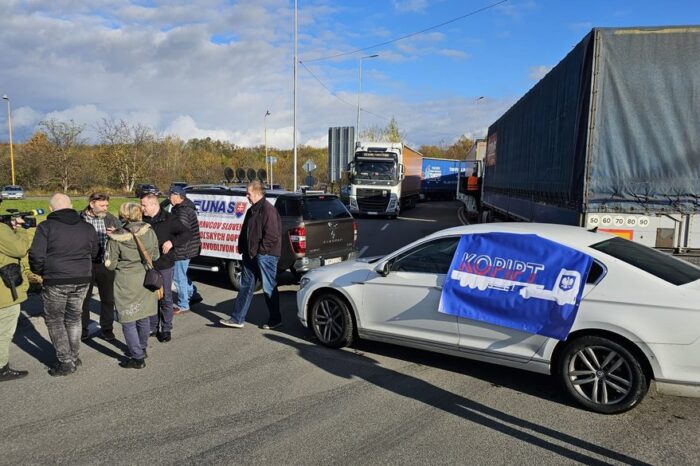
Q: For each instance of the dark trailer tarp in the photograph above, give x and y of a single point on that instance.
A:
(614, 127)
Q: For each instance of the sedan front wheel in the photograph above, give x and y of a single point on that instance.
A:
(602, 375)
(331, 321)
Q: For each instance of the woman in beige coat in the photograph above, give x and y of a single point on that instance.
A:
(134, 302)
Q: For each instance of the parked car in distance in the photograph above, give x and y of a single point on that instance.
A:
(12, 192)
(144, 188)
(180, 184)
(638, 317)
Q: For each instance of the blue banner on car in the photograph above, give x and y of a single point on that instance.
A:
(523, 282)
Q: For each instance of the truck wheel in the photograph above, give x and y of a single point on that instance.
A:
(233, 270)
(602, 375)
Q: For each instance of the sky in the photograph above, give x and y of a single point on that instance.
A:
(213, 68)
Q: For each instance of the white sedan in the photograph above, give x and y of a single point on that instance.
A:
(638, 319)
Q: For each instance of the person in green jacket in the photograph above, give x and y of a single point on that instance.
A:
(14, 245)
(135, 303)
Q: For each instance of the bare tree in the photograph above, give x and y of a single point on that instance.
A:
(127, 150)
(65, 139)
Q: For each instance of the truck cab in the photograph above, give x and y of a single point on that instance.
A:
(384, 178)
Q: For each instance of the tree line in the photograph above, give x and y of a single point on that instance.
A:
(58, 157)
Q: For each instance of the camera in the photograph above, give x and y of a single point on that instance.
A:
(28, 217)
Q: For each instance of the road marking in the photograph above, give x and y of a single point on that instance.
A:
(362, 251)
(386, 225)
(418, 219)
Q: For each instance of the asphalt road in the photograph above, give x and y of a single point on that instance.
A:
(249, 396)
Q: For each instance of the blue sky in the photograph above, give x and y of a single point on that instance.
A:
(211, 68)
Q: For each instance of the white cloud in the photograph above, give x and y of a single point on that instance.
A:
(417, 6)
(452, 53)
(538, 72)
(208, 68)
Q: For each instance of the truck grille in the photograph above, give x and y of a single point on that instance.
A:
(372, 199)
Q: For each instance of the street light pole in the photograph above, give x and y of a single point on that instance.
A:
(294, 137)
(9, 125)
(267, 114)
(359, 93)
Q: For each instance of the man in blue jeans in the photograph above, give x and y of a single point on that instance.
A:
(260, 244)
(185, 210)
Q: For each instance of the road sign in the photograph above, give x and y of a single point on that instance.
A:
(270, 159)
(309, 166)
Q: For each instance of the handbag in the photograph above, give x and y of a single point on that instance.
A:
(153, 279)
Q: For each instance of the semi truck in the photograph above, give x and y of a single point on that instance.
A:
(608, 139)
(439, 177)
(384, 178)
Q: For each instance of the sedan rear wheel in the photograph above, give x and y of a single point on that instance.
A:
(602, 375)
(331, 321)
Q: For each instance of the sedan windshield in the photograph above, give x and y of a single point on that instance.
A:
(657, 263)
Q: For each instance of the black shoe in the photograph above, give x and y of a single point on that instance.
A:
(62, 369)
(84, 336)
(271, 325)
(10, 374)
(108, 335)
(196, 299)
(133, 364)
(77, 363)
(153, 334)
(165, 337)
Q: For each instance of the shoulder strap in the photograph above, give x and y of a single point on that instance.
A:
(145, 257)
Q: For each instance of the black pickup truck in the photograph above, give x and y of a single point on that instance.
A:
(317, 229)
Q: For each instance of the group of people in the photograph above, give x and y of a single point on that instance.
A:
(74, 251)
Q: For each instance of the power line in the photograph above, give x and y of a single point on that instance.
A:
(330, 91)
(409, 35)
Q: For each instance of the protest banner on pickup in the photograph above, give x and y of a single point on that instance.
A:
(220, 222)
(523, 282)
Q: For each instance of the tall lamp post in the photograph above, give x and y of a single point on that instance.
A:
(359, 93)
(9, 125)
(267, 160)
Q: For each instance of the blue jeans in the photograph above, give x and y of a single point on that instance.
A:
(185, 288)
(264, 268)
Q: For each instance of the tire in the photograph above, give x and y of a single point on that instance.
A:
(602, 375)
(331, 321)
(233, 270)
(297, 275)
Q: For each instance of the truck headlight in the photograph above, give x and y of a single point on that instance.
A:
(303, 282)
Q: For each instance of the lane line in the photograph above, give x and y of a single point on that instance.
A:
(418, 219)
(362, 251)
(386, 225)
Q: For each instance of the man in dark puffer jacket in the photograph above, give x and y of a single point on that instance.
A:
(62, 252)
(185, 210)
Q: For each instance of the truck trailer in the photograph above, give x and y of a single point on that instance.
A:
(608, 138)
(439, 178)
(384, 178)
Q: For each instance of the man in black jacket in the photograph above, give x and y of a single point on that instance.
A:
(97, 215)
(62, 252)
(171, 234)
(185, 210)
(260, 244)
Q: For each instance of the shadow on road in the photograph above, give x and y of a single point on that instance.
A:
(352, 365)
(28, 339)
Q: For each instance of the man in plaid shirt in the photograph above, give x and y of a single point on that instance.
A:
(97, 215)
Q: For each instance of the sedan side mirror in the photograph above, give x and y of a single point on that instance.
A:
(384, 269)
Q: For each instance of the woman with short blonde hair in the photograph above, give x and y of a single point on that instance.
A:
(130, 212)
